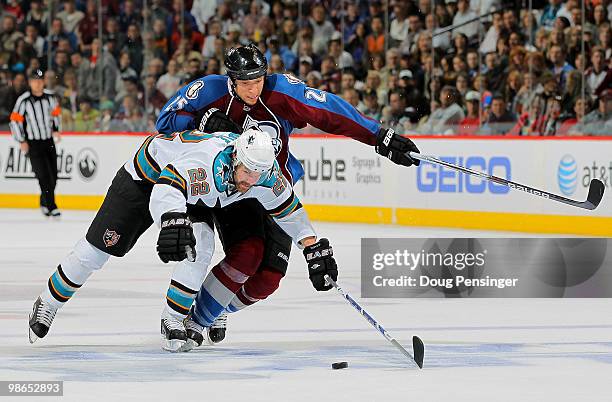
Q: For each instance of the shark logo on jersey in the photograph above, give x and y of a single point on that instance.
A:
(110, 238)
(269, 127)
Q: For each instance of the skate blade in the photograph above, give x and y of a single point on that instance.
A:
(172, 345)
(188, 346)
(31, 335)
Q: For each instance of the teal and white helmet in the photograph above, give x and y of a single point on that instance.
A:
(254, 150)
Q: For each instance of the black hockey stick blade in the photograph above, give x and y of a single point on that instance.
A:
(418, 348)
(596, 192)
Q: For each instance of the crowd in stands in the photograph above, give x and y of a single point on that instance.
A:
(418, 66)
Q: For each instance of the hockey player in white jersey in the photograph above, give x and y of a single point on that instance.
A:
(218, 175)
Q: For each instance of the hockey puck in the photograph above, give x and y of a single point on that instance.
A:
(339, 365)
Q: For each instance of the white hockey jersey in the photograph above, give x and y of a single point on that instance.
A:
(192, 167)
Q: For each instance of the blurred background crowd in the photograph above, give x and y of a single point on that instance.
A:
(446, 67)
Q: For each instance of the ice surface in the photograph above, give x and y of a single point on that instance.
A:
(105, 342)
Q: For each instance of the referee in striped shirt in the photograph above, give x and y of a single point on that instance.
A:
(34, 122)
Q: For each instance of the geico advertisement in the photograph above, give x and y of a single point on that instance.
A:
(340, 171)
(344, 172)
(86, 164)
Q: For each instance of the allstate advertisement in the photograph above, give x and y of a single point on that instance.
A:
(86, 164)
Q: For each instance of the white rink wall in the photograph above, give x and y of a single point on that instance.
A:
(345, 181)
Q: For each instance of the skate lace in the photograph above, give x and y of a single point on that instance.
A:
(220, 322)
(45, 314)
(172, 323)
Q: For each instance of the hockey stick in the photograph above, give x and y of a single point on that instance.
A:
(596, 186)
(417, 344)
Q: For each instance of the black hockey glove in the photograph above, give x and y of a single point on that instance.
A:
(214, 120)
(320, 260)
(394, 146)
(176, 240)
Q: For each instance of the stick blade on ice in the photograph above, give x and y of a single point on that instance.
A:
(418, 348)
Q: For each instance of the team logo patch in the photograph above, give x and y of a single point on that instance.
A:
(192, 91)
(110, 238)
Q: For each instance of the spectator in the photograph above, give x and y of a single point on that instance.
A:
(276, 65)
(38, 16)
(417, 105)
(9, 94)
(170, 82)
(560, 68)
(70, 16)
(473, 63)
(214, 30)
(128, 16)
(489, 42)
(351, 21)
(314, 79)
(440, 40)
(395, 116)
(604, 36)
(398, 31)
(471, 122)
(68, 97)
(155, 100)
(445, 118)
(597, 72)
(550, 13)
(371, 108)
(356, 45)
(233, 36)
(342, 58)
(34, 39)
(100, 64)
(500, 121)
(286, 55)
(212, 67)
(460, 45)
(348, 79)
(56, 34)
(88, 27)
(305, 67)
(463, 15)
(462, 84)
(254, 22)
(134, 47)
(9, 37)
(352, 96)
(579, 111)
(202, 11)
(375, 41)
(322, 29)
(288, 34)
(413, 30)
(87, 118)
(129, 117)
(599, 121)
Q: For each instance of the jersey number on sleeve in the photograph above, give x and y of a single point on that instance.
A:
(197, 180)
(319, 96)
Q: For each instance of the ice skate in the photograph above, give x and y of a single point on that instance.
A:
(173, 333)
(197, 334)
(40, 319)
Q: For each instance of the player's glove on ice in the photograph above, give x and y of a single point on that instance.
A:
(176, 240)
(214, 120)
(320, 260)
(394, 146)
